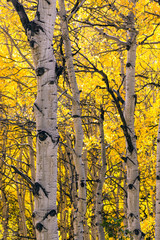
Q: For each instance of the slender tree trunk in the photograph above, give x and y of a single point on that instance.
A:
(93, 222)
(76, 114)
(4, 200)
(31, 155)
(40, 35)
(21, 197)
(157, 226)
(133, 177)
(123, 79)
(33, 171)
(99, 202)
(73, 186)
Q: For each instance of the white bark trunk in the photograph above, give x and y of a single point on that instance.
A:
(40, 35)
(46, 124)
(131, 150)
(76, 114)
(157, 225)
(21, 197)
(99, 202)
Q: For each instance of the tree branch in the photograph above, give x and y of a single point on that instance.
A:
(21, 12)
(110, 37)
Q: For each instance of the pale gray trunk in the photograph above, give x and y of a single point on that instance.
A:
(31, 155)
(133, 177)
(21, 199)
(45, 109)
(157, 225)
(123, 79)
(99, 202)
(33, 171)
(40, 35)
(76, 114)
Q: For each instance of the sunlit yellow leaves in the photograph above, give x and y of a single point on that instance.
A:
(92, 52)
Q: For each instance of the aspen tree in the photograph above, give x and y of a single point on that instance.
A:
(157, 225)
(76, 114)
(102, 173)
(127, 119)
(133, 177)
(40, 33)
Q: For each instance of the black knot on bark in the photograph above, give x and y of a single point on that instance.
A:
(82, 183)
(131, 215)
(130, 186)
(40, 71)
(34, 28)
(128, 47)
(42, 135)
(136, 231)
(31, 43)
(39, 227)
(128, 64)
(33, 215)
(138, 178)
(52, 213)
(36, 188)
(51, 82)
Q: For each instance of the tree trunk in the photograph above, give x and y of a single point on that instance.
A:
(99, 202)
(157, 226)
(40, 35)
(21, 198)
(133, 177)
(76, 114)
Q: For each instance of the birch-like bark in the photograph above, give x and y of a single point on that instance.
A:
(99, 202)
(40, 34)
(123, 79)
(21, 197)
(31, 155)
(72, 182)
(76, 114)
(157, 225)
(33, 171)
(133, 177)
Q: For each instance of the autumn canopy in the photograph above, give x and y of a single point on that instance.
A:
(79, 119)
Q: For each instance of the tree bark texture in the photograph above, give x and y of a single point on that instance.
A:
(99, 201)
(76, 114)
(40, 35)
(157, 225)
(133, 177)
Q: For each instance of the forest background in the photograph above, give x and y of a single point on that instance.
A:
(100, 44)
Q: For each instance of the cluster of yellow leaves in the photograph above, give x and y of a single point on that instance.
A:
(19, 93)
